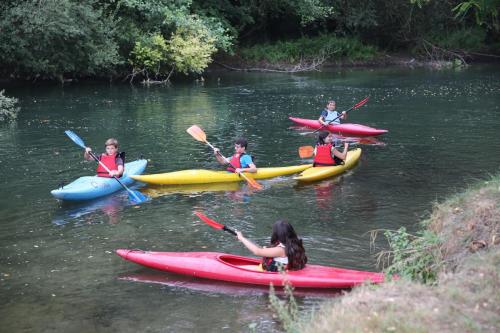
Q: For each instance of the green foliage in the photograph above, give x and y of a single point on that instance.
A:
(54, 38)
(414, 257)
(8, 108)
(192, 43)
(150, 54)
(485, 12)
(329, 46)
(472, 39)
(210, 29)
(191, 51)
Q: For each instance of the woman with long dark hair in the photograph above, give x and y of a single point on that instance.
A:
(325, 153)
(286, 249)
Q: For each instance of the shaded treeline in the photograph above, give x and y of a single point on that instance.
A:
(153, 39)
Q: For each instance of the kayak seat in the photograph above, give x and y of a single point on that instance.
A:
(257, 268)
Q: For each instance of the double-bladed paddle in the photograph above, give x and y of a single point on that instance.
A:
(214, 224)
(354, 107)
(196, 132)
(134, 196)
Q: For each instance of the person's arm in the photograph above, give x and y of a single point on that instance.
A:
(342, 155)
(121, 169)
(219, 157)
(86, 154)
(250, 166)
(270, 252)
(322, 118)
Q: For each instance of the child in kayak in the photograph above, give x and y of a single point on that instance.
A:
(330, 116)
(325, 152)
(286, 249)
(240, 161)
(112, 159)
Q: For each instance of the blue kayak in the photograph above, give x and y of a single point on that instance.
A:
(91, 187)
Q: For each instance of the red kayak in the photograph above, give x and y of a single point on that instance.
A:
(345, 129)
(233, 268)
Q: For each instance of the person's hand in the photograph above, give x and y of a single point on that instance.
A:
(344, 113)
(239, 235)
(216, 151)
(113, 173)
(88, 150)
(238, 170)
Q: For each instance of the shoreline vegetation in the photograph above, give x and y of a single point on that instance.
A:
(449, 276)
(162, 41)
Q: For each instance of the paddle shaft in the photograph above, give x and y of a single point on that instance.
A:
(357, 105)
(228, 161)
(116, 178)
(231, 231)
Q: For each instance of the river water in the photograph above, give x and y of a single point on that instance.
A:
(58, 269)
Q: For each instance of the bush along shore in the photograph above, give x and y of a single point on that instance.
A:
(449, 276)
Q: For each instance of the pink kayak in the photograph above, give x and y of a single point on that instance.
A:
(233, 268)
(345, 129)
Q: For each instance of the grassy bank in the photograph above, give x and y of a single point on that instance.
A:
(462, 237)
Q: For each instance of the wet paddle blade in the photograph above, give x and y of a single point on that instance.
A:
(306, 151)
(360, 103)
(252, 182)
(76, 139)
(136, 197)
(209, 221)
(196, 132)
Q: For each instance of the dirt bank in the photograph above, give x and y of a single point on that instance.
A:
(466, 297)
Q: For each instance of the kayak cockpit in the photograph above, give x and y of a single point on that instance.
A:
(249, 264)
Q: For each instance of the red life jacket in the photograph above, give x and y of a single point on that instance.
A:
(110, 162)
(234, 163)
(323, 155)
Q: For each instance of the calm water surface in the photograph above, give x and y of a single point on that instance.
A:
(58, 270)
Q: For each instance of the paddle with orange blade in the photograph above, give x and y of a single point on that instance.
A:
(196, 132)
(354, 107)
(214, 224)
(306, 151)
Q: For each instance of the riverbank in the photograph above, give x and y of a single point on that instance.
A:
(464, 298)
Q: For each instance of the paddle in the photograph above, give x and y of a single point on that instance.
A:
(214, 224)
(354, 107)
(196, 132)
(306, 151)
(134, 196)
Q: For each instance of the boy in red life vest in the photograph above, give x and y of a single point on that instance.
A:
(325, 153)
(111, 159)
(240, 161)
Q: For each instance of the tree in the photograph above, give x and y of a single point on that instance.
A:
(56, 38)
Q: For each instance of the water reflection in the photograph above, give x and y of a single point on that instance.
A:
(174, 281)
(234, 191)
(92, 212)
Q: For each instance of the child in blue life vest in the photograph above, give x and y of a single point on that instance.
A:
(112, 159)
(330, 116)
(286, 249)
(325, 153)
(240, 161)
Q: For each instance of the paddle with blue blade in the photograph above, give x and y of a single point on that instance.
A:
(354, 107)
(214, 224)
(134, 196)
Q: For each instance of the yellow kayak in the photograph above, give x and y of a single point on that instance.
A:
(318, 173)
(199, 176)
